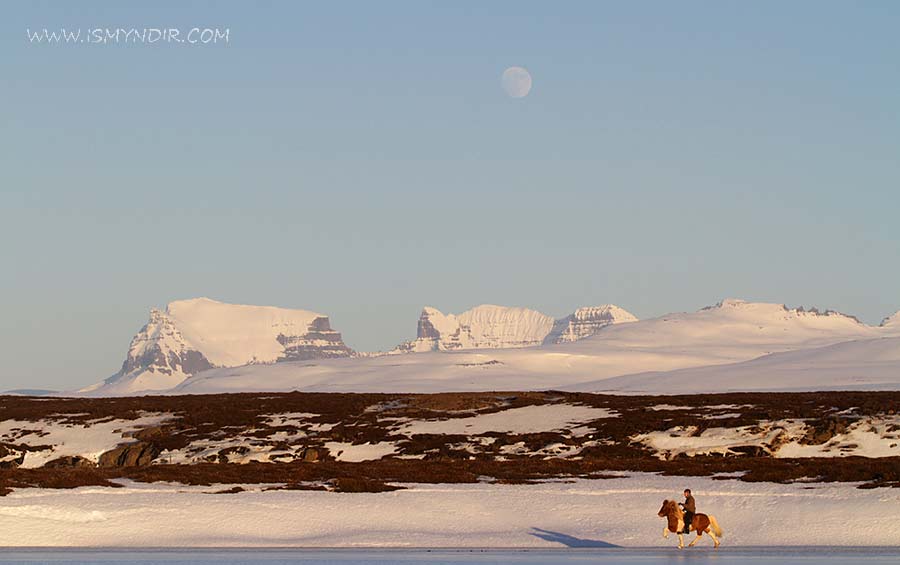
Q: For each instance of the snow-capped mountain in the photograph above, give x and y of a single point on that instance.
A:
(200, 334)
(500, 327)
(483, 327)
(735, 324)
(202, 346)
(587, 321)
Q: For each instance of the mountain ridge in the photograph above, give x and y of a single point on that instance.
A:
(201, 345)
(489, 326)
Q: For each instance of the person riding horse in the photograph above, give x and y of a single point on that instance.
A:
(690, 508)
(679, 522)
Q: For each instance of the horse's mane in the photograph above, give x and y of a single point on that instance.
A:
(679, 513)
(673, 514)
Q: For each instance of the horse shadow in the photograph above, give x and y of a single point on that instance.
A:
(567, 540)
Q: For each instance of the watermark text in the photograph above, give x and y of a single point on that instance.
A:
(129, 36)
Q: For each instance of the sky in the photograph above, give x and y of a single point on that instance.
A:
(362, 160)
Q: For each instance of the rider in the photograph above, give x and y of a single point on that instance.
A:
(690, 508)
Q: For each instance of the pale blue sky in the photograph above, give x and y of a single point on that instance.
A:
(360, 159)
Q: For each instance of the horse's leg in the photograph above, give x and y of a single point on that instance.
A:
(699, 533)
(714, 538)
(666, 532)
(680, 540)
(694, 540)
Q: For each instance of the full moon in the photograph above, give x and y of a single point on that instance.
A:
(516, 82)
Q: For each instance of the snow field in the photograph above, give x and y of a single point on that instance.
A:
(526, 420)
(621, 511)
(868, 437)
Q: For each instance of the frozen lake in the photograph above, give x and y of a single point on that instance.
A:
(740, 556)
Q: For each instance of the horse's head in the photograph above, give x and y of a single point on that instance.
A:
(664, 511)
(670, 508)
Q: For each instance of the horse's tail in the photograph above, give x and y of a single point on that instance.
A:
(715, 527)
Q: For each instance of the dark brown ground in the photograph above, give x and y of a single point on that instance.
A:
(359, 418)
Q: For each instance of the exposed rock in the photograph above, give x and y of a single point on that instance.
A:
(321, 342)
(224, 455)
(161, 346)
(153, 432)
(311, 454)
(11, 456)
(70, 462)
(138, 454)
(824, 431)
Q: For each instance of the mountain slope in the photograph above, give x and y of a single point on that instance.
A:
(892, 322)
(852, 365)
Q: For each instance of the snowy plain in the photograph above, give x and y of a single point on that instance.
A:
(870, 364)
(441, 556)
(581, 513)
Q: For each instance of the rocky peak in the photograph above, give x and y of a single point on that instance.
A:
(160, 347)
(587, 321)
(320, 342)
(494, 327)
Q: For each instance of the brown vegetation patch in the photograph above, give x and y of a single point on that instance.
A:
(301, 461)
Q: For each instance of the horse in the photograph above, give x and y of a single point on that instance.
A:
(700, 523)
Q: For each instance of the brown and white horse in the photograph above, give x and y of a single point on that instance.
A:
(701, 523)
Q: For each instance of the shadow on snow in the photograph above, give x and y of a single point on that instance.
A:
(567, 540)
